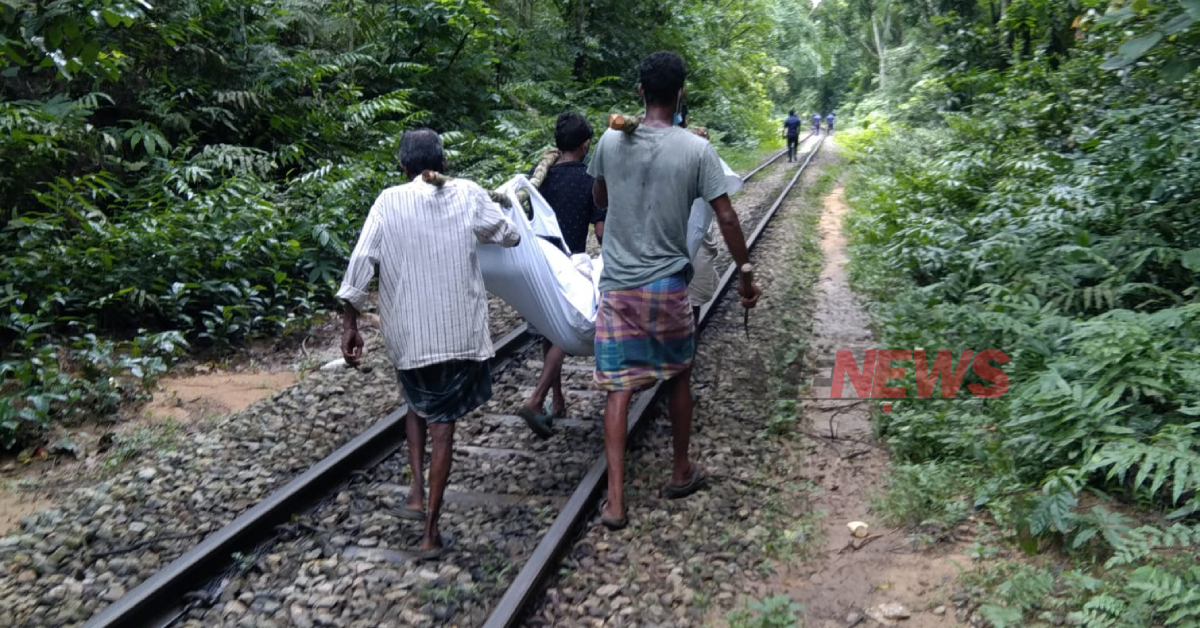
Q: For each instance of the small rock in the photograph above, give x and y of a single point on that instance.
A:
(608, 591)
(853, 619)
(234, 608)
(941, 610)
(300, 617)
(147, 473)
(114, 593)
(27, 576)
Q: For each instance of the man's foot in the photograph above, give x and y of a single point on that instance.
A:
(694, 482)
(432, 550)
(538, 422)
(612, 522)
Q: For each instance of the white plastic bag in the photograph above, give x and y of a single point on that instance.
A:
(556, 292)
(538, 279)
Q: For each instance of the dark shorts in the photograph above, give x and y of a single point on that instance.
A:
(441, 393)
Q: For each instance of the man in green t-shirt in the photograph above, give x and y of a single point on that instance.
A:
(647, 179)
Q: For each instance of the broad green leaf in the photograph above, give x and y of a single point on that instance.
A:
(1191, 260)
(1192, 7)
(1178, 24)
(1138, 46)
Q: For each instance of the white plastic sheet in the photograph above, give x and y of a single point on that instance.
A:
(538, 279)
(558, 293)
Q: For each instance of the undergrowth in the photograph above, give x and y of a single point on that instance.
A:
(1056, 219)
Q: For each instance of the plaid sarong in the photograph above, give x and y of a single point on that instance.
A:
(643, 335)
(444, 392)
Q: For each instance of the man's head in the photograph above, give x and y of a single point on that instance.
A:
(662, 75)
(572, 133)
(792, 112)
(421, 150)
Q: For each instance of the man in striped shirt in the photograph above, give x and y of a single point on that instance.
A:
(433, 308)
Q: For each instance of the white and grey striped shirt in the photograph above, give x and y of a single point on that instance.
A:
(433, 305)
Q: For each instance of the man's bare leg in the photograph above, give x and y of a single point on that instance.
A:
(679, 398)
(415, 426)
(442, 437)
(550, 380)
(616, 423)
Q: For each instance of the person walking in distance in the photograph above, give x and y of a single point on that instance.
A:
(647, 179)
(829, 123)
(816, 123)
(433, 308)
(791, 131)
(568, 189)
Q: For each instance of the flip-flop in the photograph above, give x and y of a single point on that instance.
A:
(433, 554)
(609, 522)
(411, 514)
(551, 414)
(539, 423)
(679, 491)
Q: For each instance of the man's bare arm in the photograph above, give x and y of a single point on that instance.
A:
(600, 193)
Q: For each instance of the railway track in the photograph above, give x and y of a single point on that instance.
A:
(511, 495)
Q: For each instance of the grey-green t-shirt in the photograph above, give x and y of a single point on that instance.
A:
(653, 175)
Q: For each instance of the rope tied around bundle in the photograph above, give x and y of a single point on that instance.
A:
(549, 158)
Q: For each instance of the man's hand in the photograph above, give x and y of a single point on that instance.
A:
(352, 342)
(352, 347)
(749, 298)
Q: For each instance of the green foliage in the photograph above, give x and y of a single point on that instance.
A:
(772, 612)
(1046, 205)
(930, 495)
(201, 168)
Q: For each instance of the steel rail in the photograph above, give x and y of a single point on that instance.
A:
(746, 177)
(579, 507)
(157, 600)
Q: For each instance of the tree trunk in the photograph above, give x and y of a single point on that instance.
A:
(580, 34)
(882, 52)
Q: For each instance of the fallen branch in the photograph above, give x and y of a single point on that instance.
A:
(158, 539)
(857, 544)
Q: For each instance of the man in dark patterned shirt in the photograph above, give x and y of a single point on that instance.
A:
(568, 190)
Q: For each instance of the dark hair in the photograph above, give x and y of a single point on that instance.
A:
(792, 112)
(421, 150)
(571, 131)
(662, 75)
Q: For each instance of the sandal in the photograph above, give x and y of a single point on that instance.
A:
(539, 423)
(550, 414)
(679, 491)
(609, 522)
(410, 514)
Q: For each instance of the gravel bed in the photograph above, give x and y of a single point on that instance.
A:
(63, 565)
(352, 564)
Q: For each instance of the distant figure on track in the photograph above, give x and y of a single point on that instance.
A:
(816, 123)
(829, 123)
(433, 308)
(791, 130)
(568, 190)
(644, 327)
